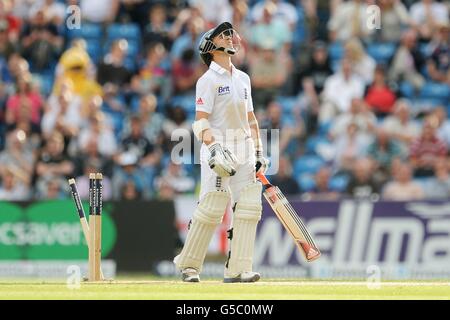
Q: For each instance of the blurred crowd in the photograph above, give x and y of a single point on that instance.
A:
(360, 100)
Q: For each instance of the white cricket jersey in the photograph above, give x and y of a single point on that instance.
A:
(227, 98)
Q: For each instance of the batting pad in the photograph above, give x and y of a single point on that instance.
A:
(246, 216)
(207, 216)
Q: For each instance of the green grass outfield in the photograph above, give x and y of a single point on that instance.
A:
(143, 288)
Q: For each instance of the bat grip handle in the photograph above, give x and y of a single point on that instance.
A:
(263, 179)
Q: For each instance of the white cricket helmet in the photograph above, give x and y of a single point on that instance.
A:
(207, 45)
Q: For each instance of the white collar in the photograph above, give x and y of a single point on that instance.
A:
(217, 68)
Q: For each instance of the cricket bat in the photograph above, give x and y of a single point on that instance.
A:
(290, 219)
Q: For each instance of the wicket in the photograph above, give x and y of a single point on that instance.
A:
(92, 231)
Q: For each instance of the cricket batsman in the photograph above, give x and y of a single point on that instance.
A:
(230, 156)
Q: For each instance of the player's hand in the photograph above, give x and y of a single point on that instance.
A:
(262, 163)
(222, 160)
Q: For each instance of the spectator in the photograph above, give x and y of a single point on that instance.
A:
(136, 143)
(383, 151)
(113, 101)
(62, 114)
(362, 184)
(90, 158)
(195, 26)
(349, 148)
(7, 47)
(426, 15)
(17, 68)
(358, 114)
(129, 171)
(312, 80)
(379, 96)
(238, 19)
(51, 187)
(9, 20)
(93, 163)
(348, 84)
(112, 69)
(75, 70)
(408, 61)
(12, 188)
(55, 10)
(438, 64)
(18, 154)
(52, 162)
(426, 149)
(318, 68)
(269, 72)
(439, 186)
(270, 29)
(100, 11)
(41, 41)
(400, 126)
(22, 117)
(363, 65)
(214, 12)
(403, 188)
(152, 121)
(157, 30)
(176, 177)
(394, 18)
(322, 190)
(129, 192)
(349, 20)
(284, 180)
(288, 132)
(153, 77)
(135, 11)
(283, 11)
(185, 73)
(443, 124)
(98, 128)
(176, 121)
(165, 192)
(25, 97)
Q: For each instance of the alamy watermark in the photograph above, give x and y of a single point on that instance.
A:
(373, 277)
(74, 279)
(73, 20)
(373, 17)
(239, 144)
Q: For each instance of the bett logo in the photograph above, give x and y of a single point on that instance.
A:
(223, 90)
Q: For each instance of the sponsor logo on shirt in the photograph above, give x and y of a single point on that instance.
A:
(199, 101)
(223, 90)
(245, 94)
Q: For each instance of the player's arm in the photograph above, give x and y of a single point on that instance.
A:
(261, 163)
(254, 128)
(221, 160)
(204, 132)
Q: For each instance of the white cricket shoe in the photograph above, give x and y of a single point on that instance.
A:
(190, 275)
(246, 276)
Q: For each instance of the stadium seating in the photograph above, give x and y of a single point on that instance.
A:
(432, 90)
(381, 52)
(128, 31)
(87, 31)
(287, 103)
(313, 142)
(306, 182)
(307, 164)
(339, 183)
(335, 51)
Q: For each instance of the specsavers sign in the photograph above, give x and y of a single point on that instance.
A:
(47, 231)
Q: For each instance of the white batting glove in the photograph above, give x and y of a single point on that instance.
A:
(222, 160)
(261, 163)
